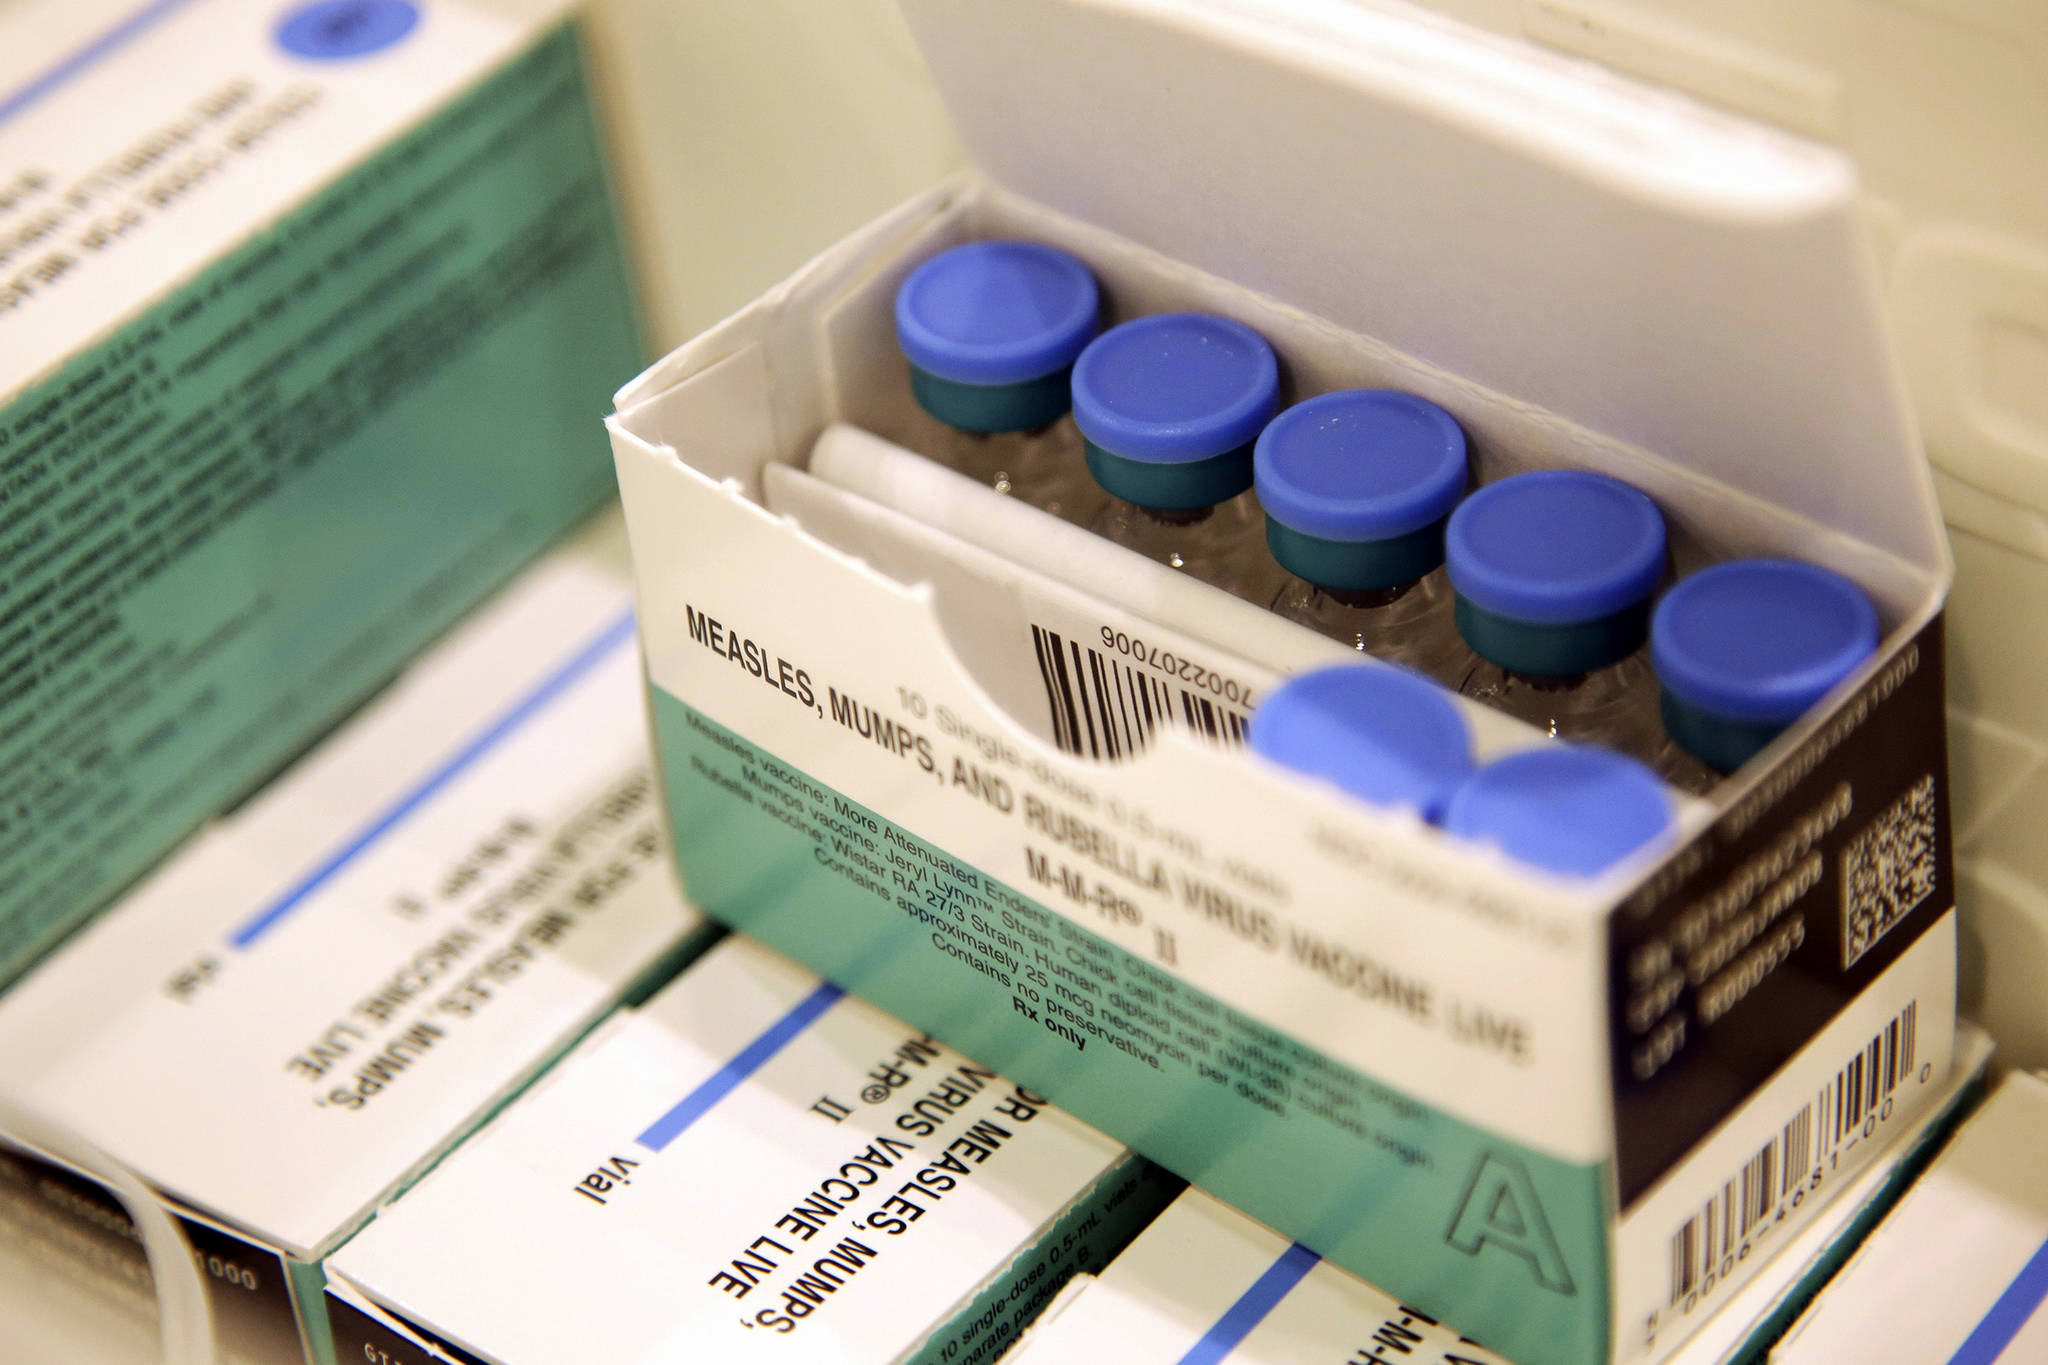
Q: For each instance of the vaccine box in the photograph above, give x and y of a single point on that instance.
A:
(1206, 1283)
(1959, 1270)
(1204, 1280)
(305, 310)
(313, 1000)
(1507, 1099)
(753, 1166)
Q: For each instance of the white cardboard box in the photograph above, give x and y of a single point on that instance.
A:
(1959, 1270)
(315, 999)
(753, 1166)
(303, 311)
(1334, 1018)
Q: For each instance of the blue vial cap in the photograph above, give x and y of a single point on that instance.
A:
(1170, 405)
(1377, 730)
(996, 313)
(1564, 808)
(1362, 464)
(1760, 640)
(1356, 484)
(1175, 388)
(1555, 547)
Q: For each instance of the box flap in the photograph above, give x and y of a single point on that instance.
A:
(1639, 264)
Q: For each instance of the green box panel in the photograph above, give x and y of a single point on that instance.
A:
(228, 523)
(1507, 1244)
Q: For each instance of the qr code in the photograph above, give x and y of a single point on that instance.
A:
(1887, 870)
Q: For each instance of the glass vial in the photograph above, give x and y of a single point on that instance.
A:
(1356, 486)
(1742, 649)
(991, 331)
(1553, 573)
(1169, 406)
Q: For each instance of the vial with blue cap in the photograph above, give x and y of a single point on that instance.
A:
(1744, 648)
(1553, 573)
(1380, 732)
(1168, 407)
(991, 331)
(1356, 488)
(1565, 808)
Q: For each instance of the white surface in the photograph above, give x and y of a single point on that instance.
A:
(50, 1318)
(750, 136)
(230, 1094)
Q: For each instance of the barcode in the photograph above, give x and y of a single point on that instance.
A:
(1887, 870)
(1713, 1240)
(1105, 708)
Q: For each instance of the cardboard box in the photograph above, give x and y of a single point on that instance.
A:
(303, 315)
(1507, 1099)
(312, 1001)
(1959, 1270)
(1204, 1282)
(751, 1165)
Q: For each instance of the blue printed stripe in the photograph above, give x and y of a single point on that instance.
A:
(1252, 1306)
(618, 633)
(93, 53)
(1996, 1329)
(727, 1078)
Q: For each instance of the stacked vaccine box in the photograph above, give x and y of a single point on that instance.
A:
(313, 1000)
(753, 1165)
(1508, 1098)
(304, 309)
(1204, 1283)
(1959, 1270)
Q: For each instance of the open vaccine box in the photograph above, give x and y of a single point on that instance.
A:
(312, 1001)
(1516, 1102)
(304, 308)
